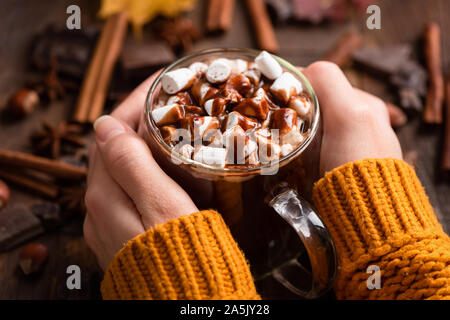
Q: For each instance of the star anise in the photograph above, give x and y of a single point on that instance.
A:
(180, 33)
(72, 200)
(50, 140)
(54, 89)
(50, 87)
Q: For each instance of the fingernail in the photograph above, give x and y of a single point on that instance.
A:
(107, 127)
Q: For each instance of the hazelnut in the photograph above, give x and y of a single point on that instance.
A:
(33, 258)
(23, 102)
(4, 194)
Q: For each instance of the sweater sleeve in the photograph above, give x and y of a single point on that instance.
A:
(191, 257)
(378, 214)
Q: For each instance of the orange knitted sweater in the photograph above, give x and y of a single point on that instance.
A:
(377, 212)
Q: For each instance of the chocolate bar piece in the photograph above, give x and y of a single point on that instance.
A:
(396, 65)
(17, 224)
(411, 75)
(70, 48)
(49, 213)
(141, 58)
(384, 62)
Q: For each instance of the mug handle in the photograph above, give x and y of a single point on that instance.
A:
(316, 239)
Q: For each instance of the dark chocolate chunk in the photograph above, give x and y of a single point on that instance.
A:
(71, 48)
(141, 58)
(17, 224)
(411, 75)
(49, 213)
(382, 61)
(396, 65)
(410, 99)
(411, 83)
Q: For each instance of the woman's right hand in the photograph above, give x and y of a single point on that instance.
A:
(355, 123)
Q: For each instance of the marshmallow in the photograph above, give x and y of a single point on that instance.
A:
(268, 150)
(209, 106)
(169, 134)
(263, 133)
(185, 149)
(210, 156)
(218, 71)
(215, 107)
(253, 158)
(182, 98)
(235, 118)
(284, 119)
(193, 111)
(286, 149)
(215, 138)
(266, 123)
(239, 65)
(203, 91)
(301, 104)
(238, 145)
(177, 80)
(167, 114)
(198, 126)
(268, 65)
(198, 67)
(257, 106)
(293, 137)
(239, 83)
(285, 86)
(230, 95)
(254, 75)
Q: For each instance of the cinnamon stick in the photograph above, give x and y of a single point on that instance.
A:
(435, 94)
(55, 168)
(220, 13)
(100, 68)
(120, 23)
(341, 52)
(24, 180)
(265, 34)
(445, 163)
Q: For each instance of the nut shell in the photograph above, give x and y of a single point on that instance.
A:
(33, 258)
(4, 194)
(23, 102)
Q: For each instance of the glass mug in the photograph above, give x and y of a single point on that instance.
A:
(252, 199)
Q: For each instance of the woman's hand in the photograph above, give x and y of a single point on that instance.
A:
(355, 123)
(127, 192)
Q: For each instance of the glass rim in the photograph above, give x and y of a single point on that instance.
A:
(151, 125)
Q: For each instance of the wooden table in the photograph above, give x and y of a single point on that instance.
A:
(402, 21)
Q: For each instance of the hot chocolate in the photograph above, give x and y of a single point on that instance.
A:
(232, 112)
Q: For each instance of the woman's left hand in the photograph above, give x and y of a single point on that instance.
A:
(127, 192)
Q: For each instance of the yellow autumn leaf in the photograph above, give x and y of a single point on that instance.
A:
(142, 11)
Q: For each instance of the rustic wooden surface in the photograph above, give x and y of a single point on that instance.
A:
(402, 21)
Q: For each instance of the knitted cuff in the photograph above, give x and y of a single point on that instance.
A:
(373, 207)
(191, 257)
